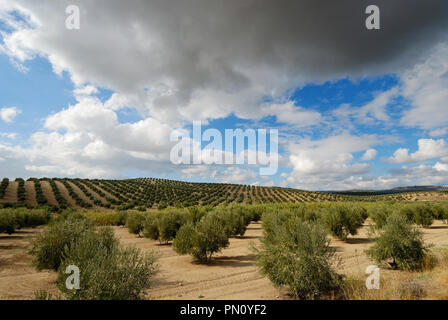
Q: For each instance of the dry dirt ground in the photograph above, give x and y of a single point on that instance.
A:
(233, 274)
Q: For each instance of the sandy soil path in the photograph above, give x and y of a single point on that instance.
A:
(233, 275)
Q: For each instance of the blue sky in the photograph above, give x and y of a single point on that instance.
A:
(101, 102)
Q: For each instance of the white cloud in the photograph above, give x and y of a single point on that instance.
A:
(326, 163)
(426, 86)
(173, 63)
(371, 113)
(236, 175)
(376, 109)
(86, 90)
(290, 114)
(9, 135)
(8, 114)
(370, 154)
(441, 166)
(232, 174)
(438, 132)
(427, 149)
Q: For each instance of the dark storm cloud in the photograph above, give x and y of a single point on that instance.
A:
(312, 37)
(195, 53)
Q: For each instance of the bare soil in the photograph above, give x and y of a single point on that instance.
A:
(232, 275)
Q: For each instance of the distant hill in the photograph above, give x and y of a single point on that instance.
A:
(149, 193)
(394, 190)
(146, 193)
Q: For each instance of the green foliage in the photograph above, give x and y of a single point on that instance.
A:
(48, 248)
(134, 223)
(151, 227)
(8, 223)
(18, 218)
(40, 197)
(107, 271)
(3, 186)
(62, 202)
(343, 220)
(297, 254)
(201, 240)
(104, 218)
(424, 215)
(120, 218)
(169, 223)
(195, 214)
(234, 221)
(184, 242)
(21, 193)
(379, 214)
(400, 242)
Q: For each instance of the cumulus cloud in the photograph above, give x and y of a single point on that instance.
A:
(290, 114)
(233, 174)
(327, 162)
(427, 149)
(426, 87)
(438, 132)
(178, 61)
(370, 154)
(8, 114)
(9, 135)
(184, 58)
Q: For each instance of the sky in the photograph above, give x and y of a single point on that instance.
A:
(354, 108)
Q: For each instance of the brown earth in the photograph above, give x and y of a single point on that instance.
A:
(30, 193)
(48, 192)
(64, 192)
(18, 278)
(80, 193)
(232, 275)
(11, 192)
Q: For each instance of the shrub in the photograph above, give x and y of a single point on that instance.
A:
(195, 214)
(107, 271)
(235, 222)
(134, 223)
(8, 223)
(102, 218)
(3, 186)
(298, 255)
(400, 242)
(257, 212)
(151, 227)
(48, 248)
(162, 206)
(18, 218)
(31, 218)
(169, 223)
(21, 193)
(343, 220)
(423, 215)
(202, 240)
(379, 214)
(120, 218)
(441, 212)
(184, 241)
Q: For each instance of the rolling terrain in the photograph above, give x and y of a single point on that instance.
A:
(150, 193)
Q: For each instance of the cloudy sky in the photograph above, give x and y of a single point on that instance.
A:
(355, 108)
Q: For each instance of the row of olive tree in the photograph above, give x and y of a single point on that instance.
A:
(108, 271)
